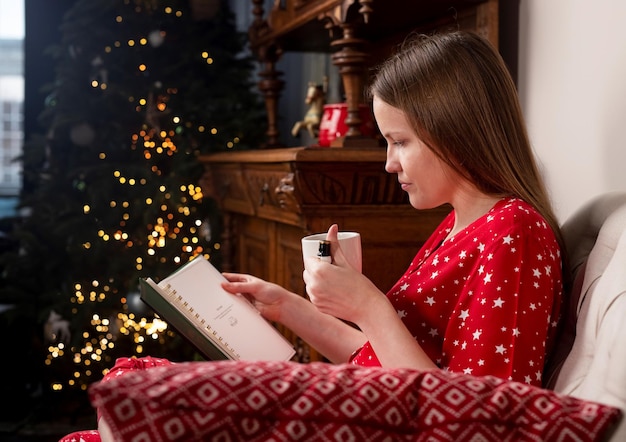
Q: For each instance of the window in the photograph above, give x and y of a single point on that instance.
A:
(11, 101)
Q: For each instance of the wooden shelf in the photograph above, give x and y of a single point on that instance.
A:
(359, 34)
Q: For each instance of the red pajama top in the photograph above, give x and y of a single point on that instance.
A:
(487, 300)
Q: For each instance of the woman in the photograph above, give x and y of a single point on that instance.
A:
(483, 294)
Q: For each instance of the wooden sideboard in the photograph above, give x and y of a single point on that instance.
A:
(271, 198)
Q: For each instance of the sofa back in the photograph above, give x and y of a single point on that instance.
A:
(590, 361)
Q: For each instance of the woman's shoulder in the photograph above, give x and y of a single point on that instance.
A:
(516, 215)
(516, 210)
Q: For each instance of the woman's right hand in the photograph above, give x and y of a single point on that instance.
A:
(267, 297)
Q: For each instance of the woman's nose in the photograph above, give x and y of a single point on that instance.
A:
(391, 165)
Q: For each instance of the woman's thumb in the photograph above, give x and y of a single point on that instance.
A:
(335, 249)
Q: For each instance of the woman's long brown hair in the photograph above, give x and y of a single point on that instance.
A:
(457, 93)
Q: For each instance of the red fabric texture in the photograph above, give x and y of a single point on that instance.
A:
(125, 365)
(122, 366)
(82, 436)
(485, 301)
(260, 401)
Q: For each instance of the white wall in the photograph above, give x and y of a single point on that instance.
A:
(572, 83)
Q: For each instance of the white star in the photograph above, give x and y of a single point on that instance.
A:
(500, 349)
(433, 332)
(464, 314)
(463, 254)
(404, 286)
(434, 275)
(481, 269)
(481, 247)
(487, 278)
(401, 313)
(507, 239)
(481, 362)
(430, 301)
(548, 270)
(527, 379)
(533, 306)
(536, 273)
(467, 371)
(435, 260)
(477, 334)
(516, 332)
(498, 302)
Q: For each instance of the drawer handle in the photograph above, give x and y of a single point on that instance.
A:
(264, 190)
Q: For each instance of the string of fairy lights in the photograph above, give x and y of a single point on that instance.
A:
(153, 141)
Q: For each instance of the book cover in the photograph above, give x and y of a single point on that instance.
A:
(220, 325)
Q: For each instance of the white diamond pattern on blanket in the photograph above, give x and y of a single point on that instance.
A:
(544, 405)
(256, 400)
(318, 402)
(369, 393)
(349, 408)
(344, 433)
(325, 387)
(250, 426)
(174, 428)
(279, 386)
(455, 396)
(500, 400)
(393, 416)
(296, 430)
(475, 386)
(389, 381)
(202, 418)
(434, 417)
(207, 393)
(430, 382)
(302, 406)
(481, 413)
(125, 409)
(157, 390)
(184, 377)
(232, 379)
(589, 412)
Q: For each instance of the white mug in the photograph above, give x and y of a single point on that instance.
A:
(350, 243)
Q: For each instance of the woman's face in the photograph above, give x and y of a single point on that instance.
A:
(427, 180)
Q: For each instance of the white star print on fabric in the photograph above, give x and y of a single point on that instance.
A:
(493, 293)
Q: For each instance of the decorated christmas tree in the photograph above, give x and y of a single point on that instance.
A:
(111, 193)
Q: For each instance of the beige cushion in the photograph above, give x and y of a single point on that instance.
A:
(595, 368)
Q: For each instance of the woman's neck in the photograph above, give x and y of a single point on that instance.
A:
(468, 207)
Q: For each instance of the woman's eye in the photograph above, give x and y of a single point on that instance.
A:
(398, 143)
